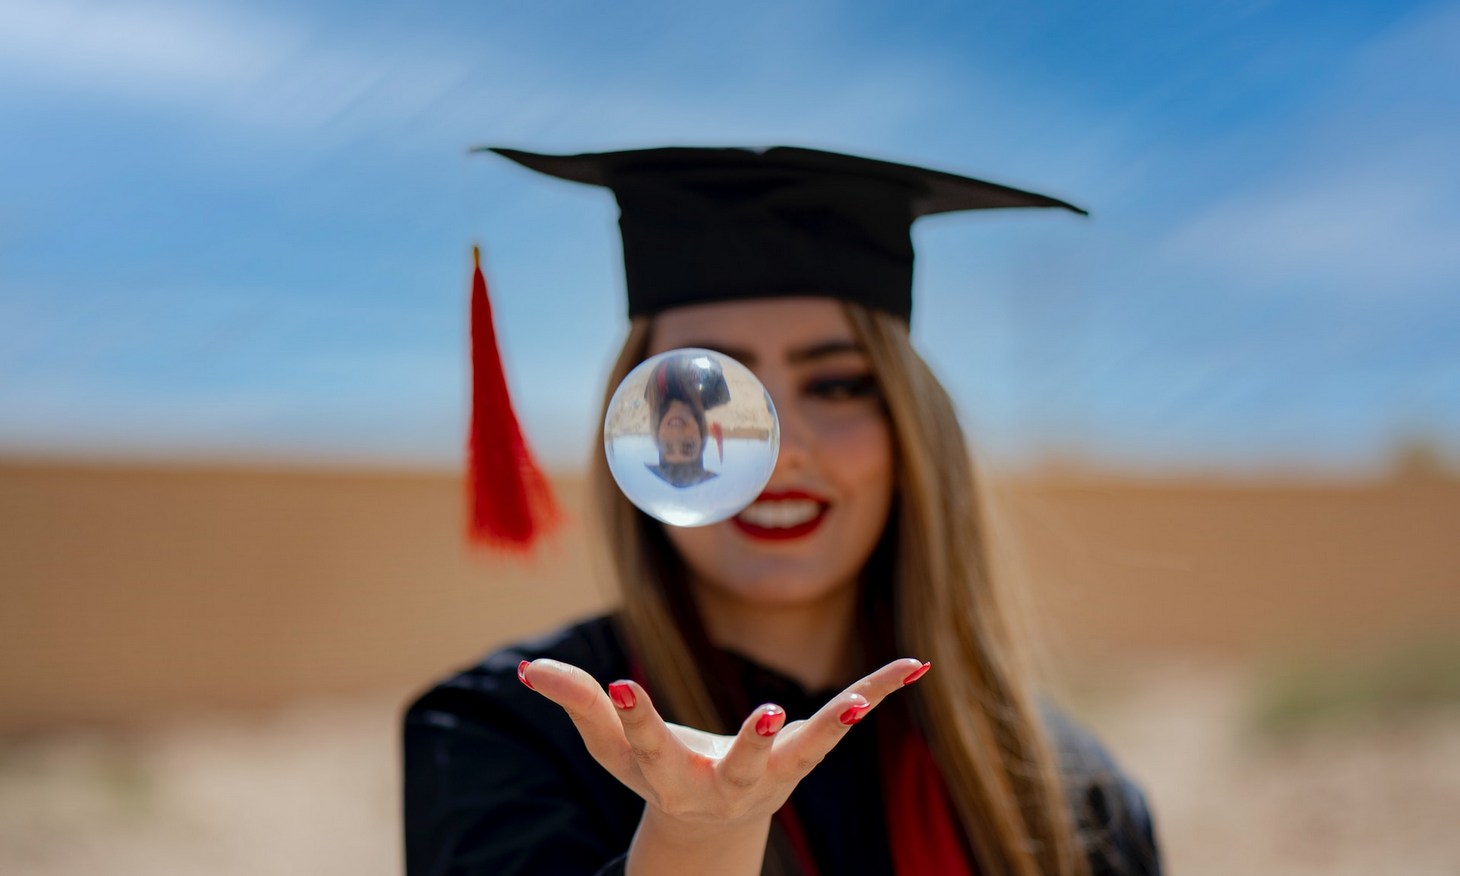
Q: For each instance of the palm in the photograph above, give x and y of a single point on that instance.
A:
(691, 775)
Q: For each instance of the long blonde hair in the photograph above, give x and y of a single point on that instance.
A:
(977, 711)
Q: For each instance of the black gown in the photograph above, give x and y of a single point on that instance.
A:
(498, 782)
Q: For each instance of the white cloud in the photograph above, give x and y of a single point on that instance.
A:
(138, 49)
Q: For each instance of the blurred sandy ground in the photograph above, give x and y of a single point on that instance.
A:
(203, 668)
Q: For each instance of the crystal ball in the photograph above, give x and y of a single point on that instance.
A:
(691, 437)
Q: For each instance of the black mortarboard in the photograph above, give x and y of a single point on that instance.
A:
(722, 224)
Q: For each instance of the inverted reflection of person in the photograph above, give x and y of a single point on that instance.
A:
(678, 391)
(680, 436)
(751, 707)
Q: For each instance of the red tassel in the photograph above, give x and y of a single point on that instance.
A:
(511, 501)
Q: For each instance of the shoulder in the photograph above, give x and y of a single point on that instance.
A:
(491, 685)
(496, 780)
(1114, 820)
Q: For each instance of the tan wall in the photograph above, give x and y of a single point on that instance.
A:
(128, 590)
(1241, 570)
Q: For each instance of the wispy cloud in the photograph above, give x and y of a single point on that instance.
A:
(1360, 200)
(265, 68)
(139, 50)
(1371, 226)
(247, 67)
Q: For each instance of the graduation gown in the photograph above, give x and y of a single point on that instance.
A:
(498, 782)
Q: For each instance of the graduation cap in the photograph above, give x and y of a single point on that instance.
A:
(723, 224)
(720, 224)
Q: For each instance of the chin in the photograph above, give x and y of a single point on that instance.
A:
(770, 573)
(780, 587)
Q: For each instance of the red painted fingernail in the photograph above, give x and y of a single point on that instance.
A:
(857, 712)
(917, 673)
(621, 694)
(522, 674)
(769, 723)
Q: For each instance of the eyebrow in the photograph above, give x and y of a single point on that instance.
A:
(800, 355)
(823, 350)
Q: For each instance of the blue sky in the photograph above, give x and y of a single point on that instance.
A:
(236, 229)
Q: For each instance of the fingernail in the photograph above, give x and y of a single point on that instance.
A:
(522, 674)
(769, 723)
(857, 712)
(621, 694)
(917, 673)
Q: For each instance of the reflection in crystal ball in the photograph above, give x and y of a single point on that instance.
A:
(691, 437)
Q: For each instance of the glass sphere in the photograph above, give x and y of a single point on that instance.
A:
(691, 437)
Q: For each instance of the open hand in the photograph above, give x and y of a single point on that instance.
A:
(703, 781)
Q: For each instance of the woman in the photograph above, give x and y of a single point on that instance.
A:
(779, 643)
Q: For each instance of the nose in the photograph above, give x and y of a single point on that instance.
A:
(797, 440)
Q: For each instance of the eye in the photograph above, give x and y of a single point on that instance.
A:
(848, 388)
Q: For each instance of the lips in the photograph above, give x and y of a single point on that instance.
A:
(782, 515)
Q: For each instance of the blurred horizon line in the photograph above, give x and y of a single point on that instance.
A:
(1407, 460)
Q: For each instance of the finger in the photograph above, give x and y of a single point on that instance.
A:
(803, 744)
(890, 679)
(651, 743)
(590, 711)
(873, 688)
(744, 764)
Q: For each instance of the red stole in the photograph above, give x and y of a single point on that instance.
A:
(922, 828)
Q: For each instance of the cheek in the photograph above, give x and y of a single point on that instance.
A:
(860, 457)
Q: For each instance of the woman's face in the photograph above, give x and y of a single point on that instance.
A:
(817, 521)
(679, 435)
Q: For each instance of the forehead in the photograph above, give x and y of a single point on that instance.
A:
(764, 326)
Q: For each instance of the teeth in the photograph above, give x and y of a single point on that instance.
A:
(781, 515)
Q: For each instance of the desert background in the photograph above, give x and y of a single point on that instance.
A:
(1220, 412)
(204, 665)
